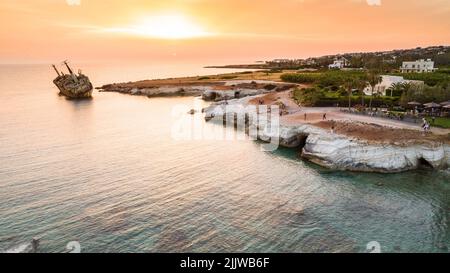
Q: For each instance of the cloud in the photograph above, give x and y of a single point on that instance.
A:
(73, 2)
(374, 2)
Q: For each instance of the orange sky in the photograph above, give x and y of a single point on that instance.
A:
(228, 30)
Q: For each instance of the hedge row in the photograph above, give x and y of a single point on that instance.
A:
(343, 102)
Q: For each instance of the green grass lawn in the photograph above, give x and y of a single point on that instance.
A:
(440, 122)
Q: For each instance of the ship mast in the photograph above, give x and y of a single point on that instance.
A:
(74, 77)
(68, 67)
(57, 72)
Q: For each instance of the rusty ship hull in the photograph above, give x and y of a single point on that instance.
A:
(80, 89)
(73, 86)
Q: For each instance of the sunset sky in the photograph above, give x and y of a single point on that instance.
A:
(214, 30)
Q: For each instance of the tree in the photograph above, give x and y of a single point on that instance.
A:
(374, 78)
(400, 88)
(307, 96)
(396, 88)
(349, 85)
(361, 84)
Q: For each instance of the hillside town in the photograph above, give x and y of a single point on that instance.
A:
(405, 60)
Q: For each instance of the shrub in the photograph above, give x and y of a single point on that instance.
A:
(300, 77)
(228, 77)
(431, 79)
(307, 96)
(426, 94)
(335, 79)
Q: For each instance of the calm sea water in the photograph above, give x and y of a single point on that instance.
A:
(107, 173)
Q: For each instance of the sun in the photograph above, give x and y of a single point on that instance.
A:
(172, 26)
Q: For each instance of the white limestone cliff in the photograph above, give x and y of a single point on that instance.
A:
(342, 152)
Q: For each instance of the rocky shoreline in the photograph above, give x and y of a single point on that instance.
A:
(345, 153)
(339, 151)
(344, 145)
(210, 91)
(163, 91)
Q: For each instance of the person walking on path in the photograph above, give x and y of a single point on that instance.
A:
(426, 127)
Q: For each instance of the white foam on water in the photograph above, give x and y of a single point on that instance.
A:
(23, 248)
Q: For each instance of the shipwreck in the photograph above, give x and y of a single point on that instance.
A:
(73, 86)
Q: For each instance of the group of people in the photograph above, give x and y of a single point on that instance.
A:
(324, 117)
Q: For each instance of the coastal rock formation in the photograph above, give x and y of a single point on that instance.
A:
(344, 152)
(219, 95)
(341, 153)
(210, 91)
(239, 89)
(161, 91)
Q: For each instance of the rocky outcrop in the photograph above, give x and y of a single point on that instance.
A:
(341, 152)
(241, 89)
(345, 153)
(210, 91)
(162, 91)
(219, 95)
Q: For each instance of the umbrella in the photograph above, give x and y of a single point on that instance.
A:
(445, 103)
(414, 103)
(447, 106)
(432, 105)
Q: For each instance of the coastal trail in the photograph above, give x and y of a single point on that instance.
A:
(315, 114)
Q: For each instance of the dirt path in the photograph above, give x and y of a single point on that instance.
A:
(315, 114)
(311, 115)
(379, 133)
(284, 97)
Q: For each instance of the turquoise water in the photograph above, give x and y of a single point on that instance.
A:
(107, 173)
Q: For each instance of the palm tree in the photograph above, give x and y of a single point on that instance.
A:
(406, 88)
(361, 84)
(374, 78)
(397, 87)
(349, 86)
(400, 87)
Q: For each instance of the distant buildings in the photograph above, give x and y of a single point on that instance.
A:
(310, 61)
(339, 63)
(372, 60)
(386, 83)
(420, 66)
(391, 59)
(285, 63)
(281, 61)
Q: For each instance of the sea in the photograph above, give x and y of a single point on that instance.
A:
(108, 174)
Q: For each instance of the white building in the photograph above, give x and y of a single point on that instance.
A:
(281, 61)
(338, 64)
(420, 66)
(386, 83)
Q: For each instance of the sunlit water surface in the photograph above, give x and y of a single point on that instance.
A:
(107, 173)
